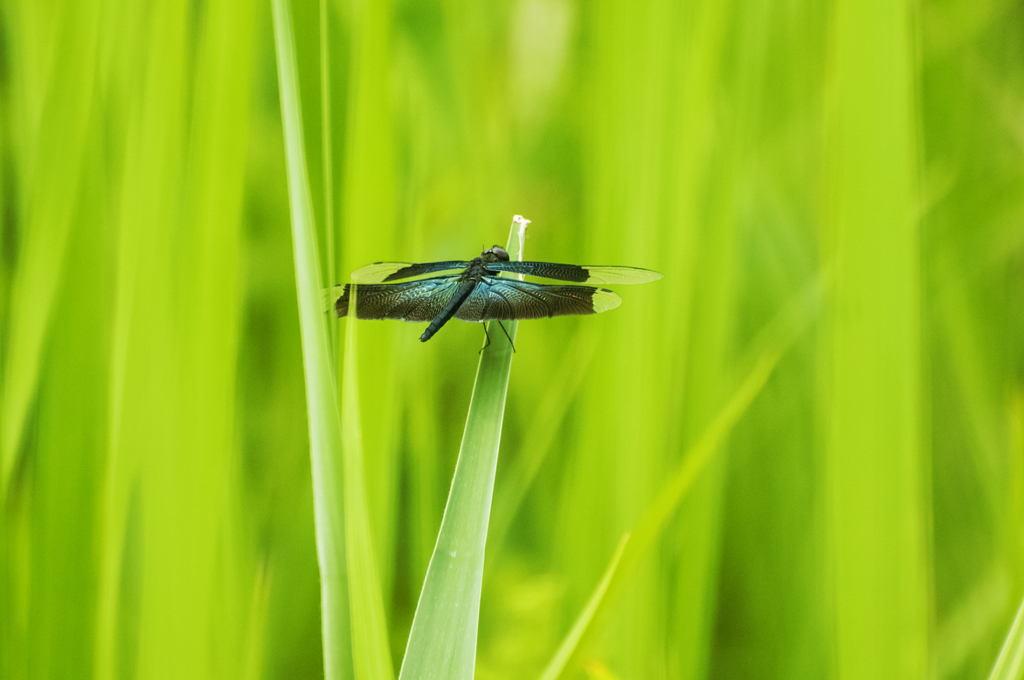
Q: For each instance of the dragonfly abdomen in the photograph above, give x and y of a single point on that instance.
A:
(461, 293)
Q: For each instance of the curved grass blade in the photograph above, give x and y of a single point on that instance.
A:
(582, 624)
(772, 341)
(628, 555)
(322, 406)
(442, 642)
(1011, 656)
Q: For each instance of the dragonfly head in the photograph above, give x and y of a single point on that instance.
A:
(495, 254)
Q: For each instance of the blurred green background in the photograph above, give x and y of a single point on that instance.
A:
(864, 519)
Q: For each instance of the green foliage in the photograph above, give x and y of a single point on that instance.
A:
(812, 429)
(874, 469)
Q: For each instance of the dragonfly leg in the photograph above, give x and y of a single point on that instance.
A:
(486, 336)
(507, 336)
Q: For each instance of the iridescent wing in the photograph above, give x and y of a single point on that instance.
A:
(420, 300)
(380, 272)
(577, 273)
(503, 299)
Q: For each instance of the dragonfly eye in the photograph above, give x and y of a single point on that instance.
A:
(499, 253)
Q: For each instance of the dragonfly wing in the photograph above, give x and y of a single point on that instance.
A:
(420, 300)
(380, 272)
(505, 299)
(577, 273)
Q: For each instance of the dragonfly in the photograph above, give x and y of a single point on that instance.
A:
(478, 292)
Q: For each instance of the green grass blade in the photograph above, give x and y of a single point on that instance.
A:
(327, 157)
(371, 653)
(149, 157)
(324, 427)
(568, 648)
(54, 175)
(627, 557)
(368, 219)
(1011, 655)
(769, 345)
(875, 486)
(144, 477)
(173, 367)
(70, 451)
(209, 247)
(442, 642)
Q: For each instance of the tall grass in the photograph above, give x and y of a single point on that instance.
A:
(178, 436)
(875, 474)
(325, 437)
(61, 103)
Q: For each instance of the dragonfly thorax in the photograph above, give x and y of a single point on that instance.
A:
(477, 268)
